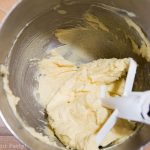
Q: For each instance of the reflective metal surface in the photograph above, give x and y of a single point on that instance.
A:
(28, 32)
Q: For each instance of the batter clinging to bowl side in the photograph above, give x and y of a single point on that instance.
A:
(70, 89)
(74, 109)
(93, 43)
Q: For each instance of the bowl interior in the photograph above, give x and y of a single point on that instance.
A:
(38, 38)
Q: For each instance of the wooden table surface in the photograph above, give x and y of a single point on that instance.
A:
(7, 140)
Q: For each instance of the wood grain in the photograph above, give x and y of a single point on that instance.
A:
(5, 5)
(2, 14)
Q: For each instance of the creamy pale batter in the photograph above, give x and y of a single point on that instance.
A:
(69, 91)
(73, 103)
(54, 72)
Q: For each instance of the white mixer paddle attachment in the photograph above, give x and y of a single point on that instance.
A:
(113, 118)
(135, 106)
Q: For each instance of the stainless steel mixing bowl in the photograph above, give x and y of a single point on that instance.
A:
(28, 32)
